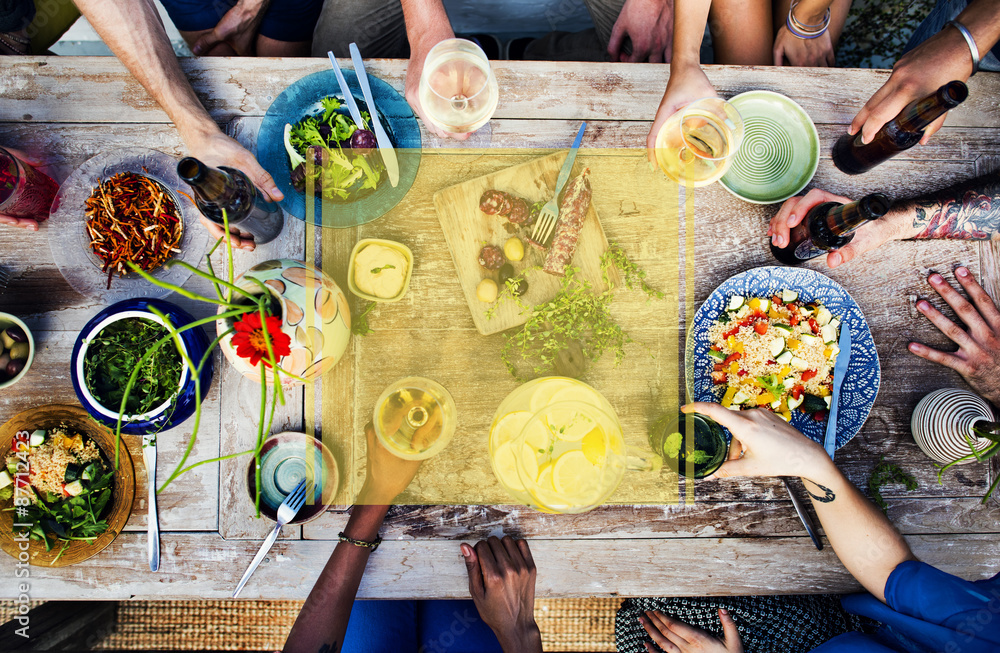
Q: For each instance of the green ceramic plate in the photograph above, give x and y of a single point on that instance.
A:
(780, 149)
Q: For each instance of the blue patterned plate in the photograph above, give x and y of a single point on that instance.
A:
(302, 99)
(863, 373)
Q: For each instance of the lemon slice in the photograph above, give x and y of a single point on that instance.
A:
(594, 447)
(510, 426)
(537, 436)
(542, 396)
(570, 425)
(545, 477)
(505, 464)
(580, 393)
(529, 461)
(572, 473)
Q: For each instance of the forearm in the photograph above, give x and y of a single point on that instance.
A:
(527, 640)
(426, 23)
(862, 537)
(690, 18)
(133, 31)
(969, 210)
(322, 623)
(982, 19)
(811, 12)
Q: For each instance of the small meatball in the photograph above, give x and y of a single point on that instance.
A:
(519, 211)
(491, 257)
(487, 291)
(491, 202)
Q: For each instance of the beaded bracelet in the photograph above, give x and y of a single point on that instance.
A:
(803, 31)
(362, 543)
(973, 48)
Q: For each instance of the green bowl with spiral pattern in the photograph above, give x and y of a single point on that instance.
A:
(780, 149)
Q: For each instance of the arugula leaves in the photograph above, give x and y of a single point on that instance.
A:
(115, 352)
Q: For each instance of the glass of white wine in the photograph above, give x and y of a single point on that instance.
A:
(415, 418)
(458, 91)
(698, 143)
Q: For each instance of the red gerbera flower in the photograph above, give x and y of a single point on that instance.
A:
(249, 339)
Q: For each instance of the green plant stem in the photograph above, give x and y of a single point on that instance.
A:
(260, 432)
(177, 289)
(214, 460)
(147, 355)
(211, 270)
(197, 409)
(211, 277)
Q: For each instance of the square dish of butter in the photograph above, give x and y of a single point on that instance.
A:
(380, 270)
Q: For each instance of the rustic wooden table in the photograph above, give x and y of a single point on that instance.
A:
(736, 537)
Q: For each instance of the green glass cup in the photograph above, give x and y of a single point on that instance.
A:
(691, 444)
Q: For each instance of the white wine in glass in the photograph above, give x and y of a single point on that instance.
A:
(458, 91)
(698, 143)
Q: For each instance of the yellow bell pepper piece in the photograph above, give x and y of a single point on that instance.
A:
(765, 398)
(727, 399)
(734, 367)
(773, 314)
(793, 345)
(785, 371)
(827, 352)
(739, 347)
(754, 304)
(731, 341)
(823, 391)
(786, 415)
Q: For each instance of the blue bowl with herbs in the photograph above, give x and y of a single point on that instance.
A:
(128, 335)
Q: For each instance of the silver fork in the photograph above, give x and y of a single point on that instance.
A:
(286, 513)
(547, 217)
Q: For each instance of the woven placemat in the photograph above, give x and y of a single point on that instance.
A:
(581, 625)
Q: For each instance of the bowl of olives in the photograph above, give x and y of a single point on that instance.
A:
(17, 350)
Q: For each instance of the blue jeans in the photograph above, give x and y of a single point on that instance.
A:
(944, 11)
(418, 627)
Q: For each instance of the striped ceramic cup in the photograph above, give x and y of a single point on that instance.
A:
(943, 420)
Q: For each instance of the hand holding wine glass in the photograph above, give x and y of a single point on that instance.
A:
(458, 92)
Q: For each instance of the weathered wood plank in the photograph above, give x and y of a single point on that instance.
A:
(99, 89)
(670, 522)
(202, 566)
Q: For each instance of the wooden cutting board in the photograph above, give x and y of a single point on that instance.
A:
(467, 230)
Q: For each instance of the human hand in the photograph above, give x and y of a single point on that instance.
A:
(673, 636)
(918, 73)
(24, 223)
(238, 28)
(868, 237)
(387, 474)
(764, 444)
(816, 53)
(978, 355)
(687, 83)
(217, 149)
(415, 68)
(502, 585)
(649, 25)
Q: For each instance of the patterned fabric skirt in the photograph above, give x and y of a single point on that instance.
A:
(767, 624)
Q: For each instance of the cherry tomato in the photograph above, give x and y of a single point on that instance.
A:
(808, 374)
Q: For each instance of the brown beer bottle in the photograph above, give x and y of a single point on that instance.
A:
(904, 131)
(221, 188)
(829, 226)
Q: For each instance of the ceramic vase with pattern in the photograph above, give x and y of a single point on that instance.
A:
(314, 313)
(942, 424)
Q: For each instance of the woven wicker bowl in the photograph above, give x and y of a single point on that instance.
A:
(122, 494)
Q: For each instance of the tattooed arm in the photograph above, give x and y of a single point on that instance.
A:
(969, 210)
(765, 445)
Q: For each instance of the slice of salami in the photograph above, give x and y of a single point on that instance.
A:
(491, 201)
(519, 211)
(572, 214)
(506, 205)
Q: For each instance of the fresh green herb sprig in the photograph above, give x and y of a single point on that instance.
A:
(114, 353)
(387, 266)
(888, 474)
(359, 323)
(577, 314)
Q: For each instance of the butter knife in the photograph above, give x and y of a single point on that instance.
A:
(839, 372)
(152, 519)
(803, 515)
(352, 106)
(384, 144)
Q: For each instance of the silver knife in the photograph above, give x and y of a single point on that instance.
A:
(839, 372)
(352, 106)
(803, 515)
(152, 519)
(384, 144)
(567, 165)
